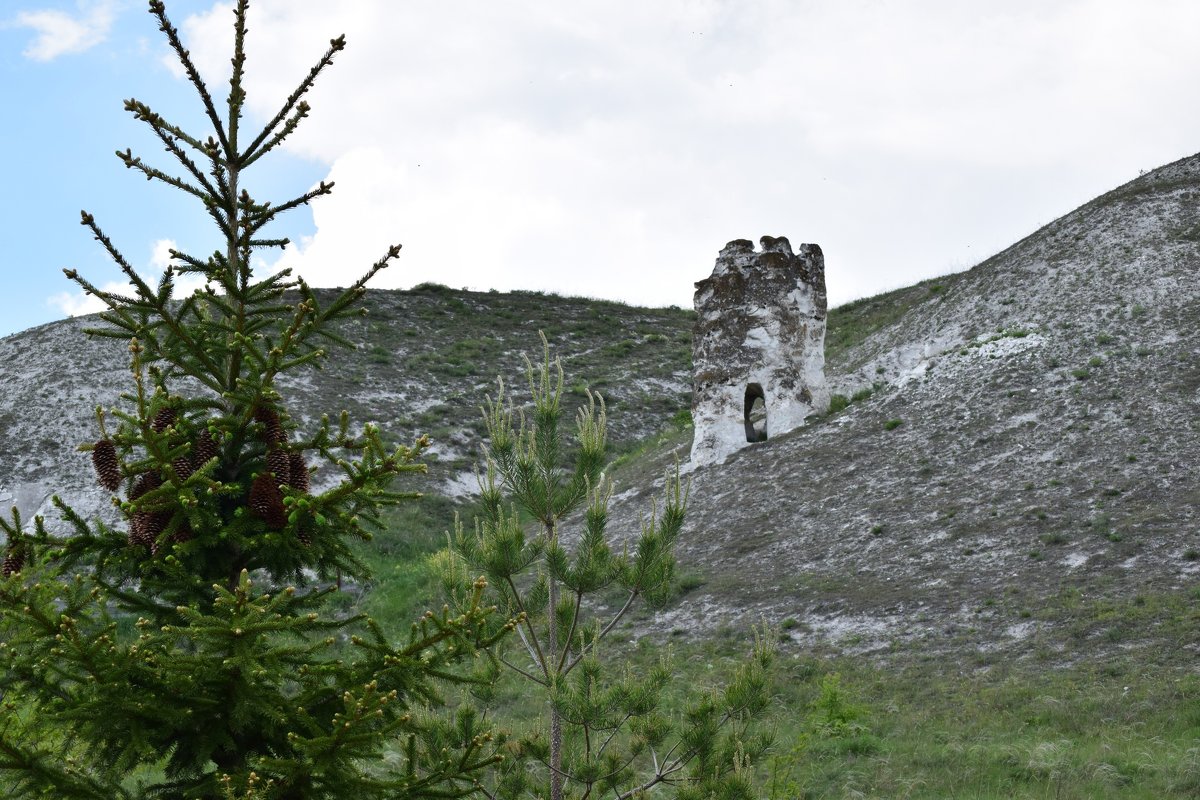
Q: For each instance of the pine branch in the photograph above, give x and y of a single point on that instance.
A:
(540, 658)
(570, 634)
(528, 675)
(612, 623)
(612, 734)
(661, 775)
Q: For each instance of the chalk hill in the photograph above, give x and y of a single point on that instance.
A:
(1022, 477)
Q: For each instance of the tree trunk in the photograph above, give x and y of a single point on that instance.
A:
(556, 776)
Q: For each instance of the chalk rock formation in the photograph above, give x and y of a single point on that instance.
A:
(758, 350)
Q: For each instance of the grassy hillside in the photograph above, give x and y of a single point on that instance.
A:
(991, 538)
(917, 725)
(991, 543)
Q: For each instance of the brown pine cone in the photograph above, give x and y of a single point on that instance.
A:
(146, 526)
(146, 482)
(261, 491)
(204, 450)
(273, 432)
(164, 419)
(266, 501)
(108, 466)
(137, 527)
(280, 465)
(304, 535)
(298, 477)
(183, 468)
(13, 561)
(182, 534)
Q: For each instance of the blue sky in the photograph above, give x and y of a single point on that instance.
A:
(607, 148)
(69, 121)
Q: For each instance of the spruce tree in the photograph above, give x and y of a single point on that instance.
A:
(607, 732)
(188, 653)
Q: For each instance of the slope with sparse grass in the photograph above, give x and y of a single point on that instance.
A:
(1016, 478)
(992, 539)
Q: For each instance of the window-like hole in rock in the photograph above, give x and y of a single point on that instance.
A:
(756, 414)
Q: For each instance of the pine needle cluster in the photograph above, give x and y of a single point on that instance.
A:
(607, 731)
(187, 652)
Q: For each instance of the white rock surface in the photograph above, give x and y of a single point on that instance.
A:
(760, 332)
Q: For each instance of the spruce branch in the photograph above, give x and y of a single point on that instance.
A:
(45, 774)
(280, 243)
(143, 113)
(159, 304)
(88, 221)
(237, 95)
(152, 173)
(159, 10)
(170, 135)
(189, 263)
(288, 128)
(322, 189)
(256, 149)
(337, 309)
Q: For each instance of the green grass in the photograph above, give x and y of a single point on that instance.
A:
(927, 730)
(862, 394)
(677, 433)
(1120, 722)
(403, 585)
(1010, 733)
(849, 325)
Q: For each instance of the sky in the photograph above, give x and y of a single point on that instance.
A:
(604, 148)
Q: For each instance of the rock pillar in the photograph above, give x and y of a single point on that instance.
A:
(758, 349)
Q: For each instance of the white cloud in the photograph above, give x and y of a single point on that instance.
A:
(60, 33)
(76, 304)
(160, 253)
(612, 149)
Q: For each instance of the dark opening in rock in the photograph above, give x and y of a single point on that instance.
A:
(756, 414)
